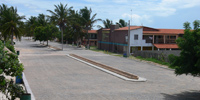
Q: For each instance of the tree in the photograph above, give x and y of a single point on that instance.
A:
(9, 66)
(189, 60)
(122, 23)
(88, 20)
(39, 33)
(60, 16)
(11, 21)
(31, 24)
(45, 33)
(186, 25)
(106, 23)
(50, 32)
(42, 20)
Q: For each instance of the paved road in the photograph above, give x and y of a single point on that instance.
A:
(54, 76)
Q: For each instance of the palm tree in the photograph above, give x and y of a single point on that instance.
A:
(42, 20)
(122, 23)
(77, 28)
(60, 17)
(31, 25)
(11, 22)
(3, 8)
(88, 20)
(106, 23)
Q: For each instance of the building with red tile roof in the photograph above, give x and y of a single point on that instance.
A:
(92, 38)
(115, 39)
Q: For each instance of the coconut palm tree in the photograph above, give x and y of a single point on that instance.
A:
(106, 23)
(3, 8)
(88, 20)
(60, 17)
(77, 27)
(42, 20)
(11, 22)
(31, 25)
(122, 23)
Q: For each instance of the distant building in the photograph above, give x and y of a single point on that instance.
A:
(92, 38)
(141, 38)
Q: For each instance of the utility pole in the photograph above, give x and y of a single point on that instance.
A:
(128, 47)
(131, 18)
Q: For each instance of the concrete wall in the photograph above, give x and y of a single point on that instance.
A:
(140, 41)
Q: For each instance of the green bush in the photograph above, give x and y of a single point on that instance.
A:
(9, 66)
(10, 46)
(153, 60)
(171, 58)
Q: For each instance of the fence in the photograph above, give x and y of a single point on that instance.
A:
(160, 55)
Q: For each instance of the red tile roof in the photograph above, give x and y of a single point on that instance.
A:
(106, 29)
(165, 31)
(166, 46)
(92, 31)
(131, 28)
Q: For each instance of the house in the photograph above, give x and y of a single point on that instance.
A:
(142, 38)
(92, 38)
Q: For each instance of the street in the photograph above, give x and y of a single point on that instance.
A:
(54, 76)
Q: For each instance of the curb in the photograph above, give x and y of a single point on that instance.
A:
(141, 79)
(27, 87)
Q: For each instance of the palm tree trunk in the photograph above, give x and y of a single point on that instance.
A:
(88, 39)
(12, 38)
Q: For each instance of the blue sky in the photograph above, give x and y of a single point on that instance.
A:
(152, 13)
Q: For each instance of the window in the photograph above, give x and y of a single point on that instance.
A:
(136, 37)
(172, 37)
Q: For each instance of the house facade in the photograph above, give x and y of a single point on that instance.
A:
(142, 38)
(92, 38)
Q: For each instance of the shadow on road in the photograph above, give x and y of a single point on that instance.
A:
(188, 95)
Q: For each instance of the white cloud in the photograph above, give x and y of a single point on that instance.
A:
(137, 19)
(143, 10)
(169, 7)
(180, 3)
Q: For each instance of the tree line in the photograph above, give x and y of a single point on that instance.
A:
(63, 23)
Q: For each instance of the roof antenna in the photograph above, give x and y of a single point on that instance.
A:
(142, 24)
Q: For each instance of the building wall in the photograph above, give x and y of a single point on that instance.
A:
(113, 41)
(140, 41)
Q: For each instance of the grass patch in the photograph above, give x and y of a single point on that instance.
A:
(154, 60)
(94, 48)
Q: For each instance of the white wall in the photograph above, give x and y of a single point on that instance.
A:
(140, 41)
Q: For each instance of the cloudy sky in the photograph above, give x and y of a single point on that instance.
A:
(151, 13)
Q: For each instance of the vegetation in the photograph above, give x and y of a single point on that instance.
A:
(153, 60)
(106, 23)
(30, 26)
(10, 23)
(189, 60)
(122, 23)
(45, 33)
(60, 16)
(88, 20)
(94, 48)
(10, 66)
